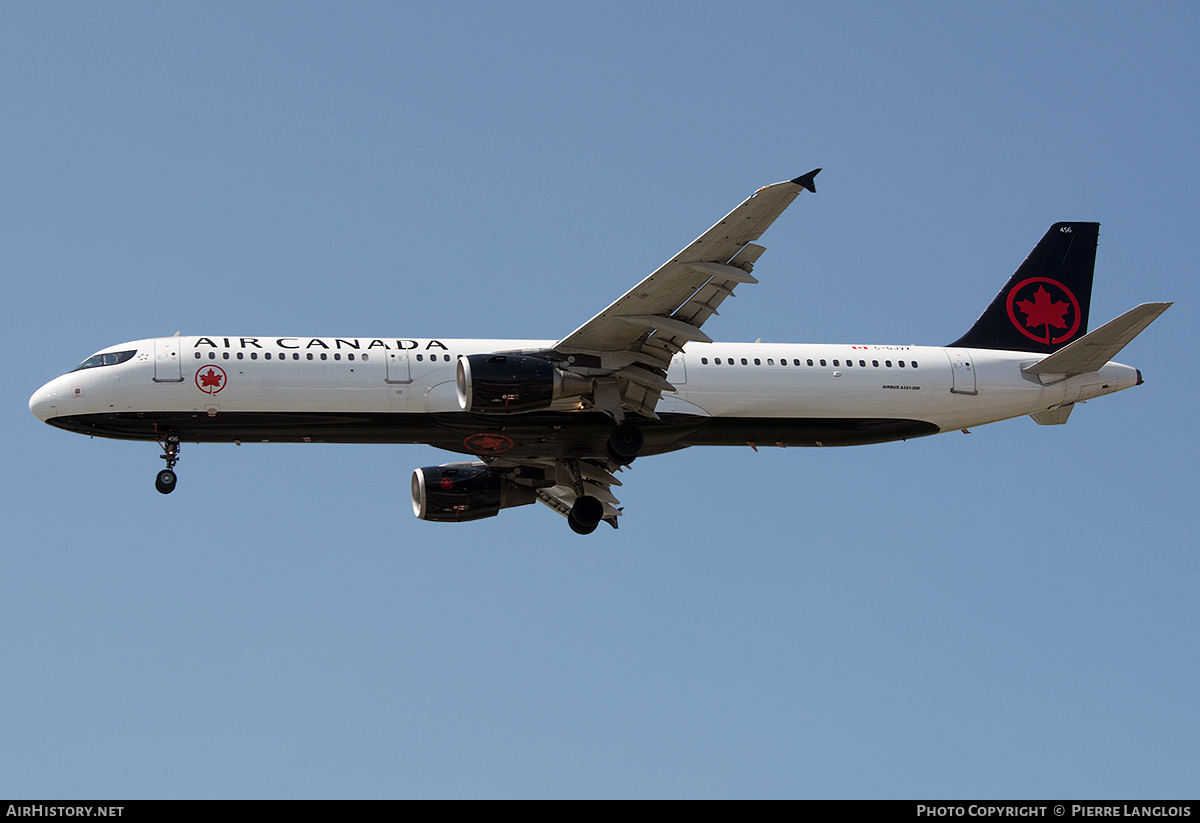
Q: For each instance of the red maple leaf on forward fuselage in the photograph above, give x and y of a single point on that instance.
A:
(1044, 310)
(210, 379)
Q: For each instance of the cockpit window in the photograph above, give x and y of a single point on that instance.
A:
(111, 358)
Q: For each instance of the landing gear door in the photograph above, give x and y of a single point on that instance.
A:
(167, 365)
(962, 372)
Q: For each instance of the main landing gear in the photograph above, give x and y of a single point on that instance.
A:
(585, 515)
(165, 481)
(623, 447)
(625, 443)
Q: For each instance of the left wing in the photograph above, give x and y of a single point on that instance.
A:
(630, 344)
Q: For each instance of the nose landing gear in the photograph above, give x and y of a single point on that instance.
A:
(165, 480)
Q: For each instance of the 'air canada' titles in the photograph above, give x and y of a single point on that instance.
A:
(334, 343)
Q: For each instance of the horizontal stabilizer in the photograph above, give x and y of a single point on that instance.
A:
(1090, 352)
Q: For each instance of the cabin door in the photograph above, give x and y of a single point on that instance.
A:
(962, 371)
(167, 366)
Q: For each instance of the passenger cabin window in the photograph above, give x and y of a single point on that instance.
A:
(111, 358)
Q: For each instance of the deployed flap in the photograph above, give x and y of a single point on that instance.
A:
(1090, 352)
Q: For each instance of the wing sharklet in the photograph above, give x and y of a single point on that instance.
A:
(808, 181)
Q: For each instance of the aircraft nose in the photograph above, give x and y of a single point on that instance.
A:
(43, 402)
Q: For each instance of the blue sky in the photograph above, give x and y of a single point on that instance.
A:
(1009, 614)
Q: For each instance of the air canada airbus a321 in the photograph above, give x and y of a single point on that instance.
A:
(554, 421)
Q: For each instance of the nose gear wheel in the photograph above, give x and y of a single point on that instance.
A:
(164, 481)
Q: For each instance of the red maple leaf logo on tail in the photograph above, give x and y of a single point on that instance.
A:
(1044, 310)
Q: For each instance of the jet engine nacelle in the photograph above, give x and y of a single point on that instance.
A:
(510, 383)
(458, 492)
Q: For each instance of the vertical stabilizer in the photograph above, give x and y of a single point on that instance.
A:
(1044, 305)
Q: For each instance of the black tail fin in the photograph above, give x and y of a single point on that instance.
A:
(1044, 306)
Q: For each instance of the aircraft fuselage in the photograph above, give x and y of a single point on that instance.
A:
(398, 390)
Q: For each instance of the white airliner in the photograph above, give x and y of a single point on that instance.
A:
(556, 420)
